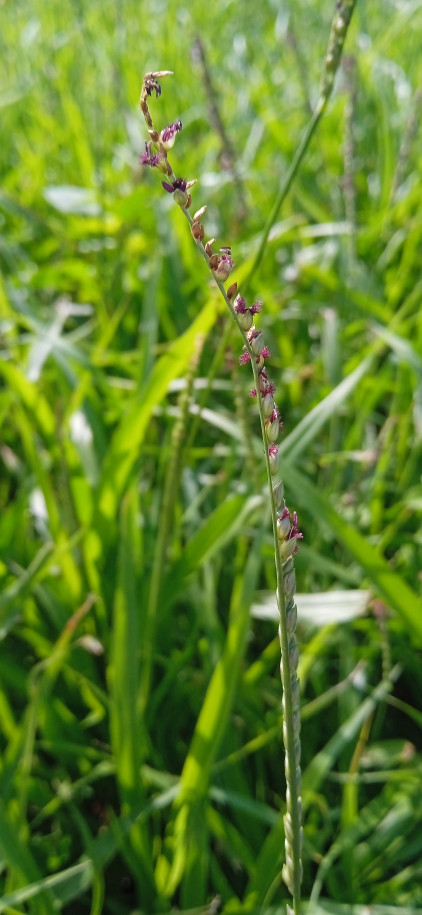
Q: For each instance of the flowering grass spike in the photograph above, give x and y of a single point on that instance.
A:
(285, 524)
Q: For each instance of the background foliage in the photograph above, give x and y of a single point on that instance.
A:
(139, 700)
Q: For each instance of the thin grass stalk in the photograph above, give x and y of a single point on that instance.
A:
(286, 185)
(285, 531)
(338, 32)
(349, 156)
(410, 134)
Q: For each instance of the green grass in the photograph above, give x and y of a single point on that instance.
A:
(141, 760)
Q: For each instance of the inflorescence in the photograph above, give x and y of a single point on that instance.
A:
(285, 523)
(221, 264)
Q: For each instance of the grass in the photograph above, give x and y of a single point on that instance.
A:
(141, 766)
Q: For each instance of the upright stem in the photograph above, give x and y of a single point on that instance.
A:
(288, 666)
(285, 529)
(287, 183)
(337, 37)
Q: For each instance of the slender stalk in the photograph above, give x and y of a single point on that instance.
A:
(286, 184)
(288, 666)
(349, 157)
(338, 32)
(288, 644)
(286, 534)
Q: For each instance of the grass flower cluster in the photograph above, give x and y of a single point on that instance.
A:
(285, 524)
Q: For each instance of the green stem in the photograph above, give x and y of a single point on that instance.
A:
(289, 710)
(338, 32)
(294, 788)
(286, 185)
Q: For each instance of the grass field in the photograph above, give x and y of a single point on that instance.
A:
(141, 764)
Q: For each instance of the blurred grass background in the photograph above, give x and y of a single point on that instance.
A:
(140, 703)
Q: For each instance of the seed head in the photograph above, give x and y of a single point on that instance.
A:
(150, 158)
(168, 135)
(274, 456)
(198, 231)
